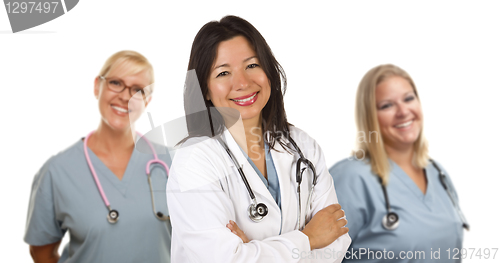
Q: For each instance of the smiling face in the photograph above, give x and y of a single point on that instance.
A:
(118, 110)
(238, 81)
(398, 111)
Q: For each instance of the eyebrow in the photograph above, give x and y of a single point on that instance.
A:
(404, 95)
(227, 65)
(133, 85)
(250, 58)
(223, 65)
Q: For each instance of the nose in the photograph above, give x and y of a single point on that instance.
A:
(125, 94)
(402, 110)
(241, 80)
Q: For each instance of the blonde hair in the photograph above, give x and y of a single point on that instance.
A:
(367, 122)
(134, 60)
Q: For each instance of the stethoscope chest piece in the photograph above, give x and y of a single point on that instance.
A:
(257, 212)
(390, 221)
(161, 216)
(113, 216)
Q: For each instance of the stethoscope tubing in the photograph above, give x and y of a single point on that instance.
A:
(299, 172)
(101, 190)
(442, 178)
(155, 160)
(238, 167)
(94, 174)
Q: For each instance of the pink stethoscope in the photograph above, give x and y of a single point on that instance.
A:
(113, 214)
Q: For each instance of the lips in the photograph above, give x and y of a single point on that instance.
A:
(120, 110)
(246, 100)
(404, 124)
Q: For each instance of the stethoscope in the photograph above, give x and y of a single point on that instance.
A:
(391, 220)
(113, 214)
(257, 211)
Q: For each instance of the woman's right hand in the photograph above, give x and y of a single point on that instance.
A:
(326, 226)
(237, 231)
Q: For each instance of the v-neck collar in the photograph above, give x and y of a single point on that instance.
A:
(104, 173)
(401, 175)
(267, 156)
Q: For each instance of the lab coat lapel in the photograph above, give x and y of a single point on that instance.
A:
(258, 187)
(285, 167)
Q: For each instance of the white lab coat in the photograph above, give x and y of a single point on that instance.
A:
(205, 191)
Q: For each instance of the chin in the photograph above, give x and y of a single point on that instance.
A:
(408, 141)
(118, 125)
(250, 114)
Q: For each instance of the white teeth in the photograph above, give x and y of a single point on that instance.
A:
(120, 109)
(406, 124)
(247, 99)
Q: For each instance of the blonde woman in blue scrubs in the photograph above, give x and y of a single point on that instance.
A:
(423, 220)
(65, 198)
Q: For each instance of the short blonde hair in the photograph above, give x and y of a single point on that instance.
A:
(367, 122)
(136, 61)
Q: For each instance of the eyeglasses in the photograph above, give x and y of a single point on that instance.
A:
(117, 85)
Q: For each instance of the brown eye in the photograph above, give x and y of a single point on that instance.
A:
(223, 73)
(385, 106)
(410, 98)
(137, 89)
(115, 82)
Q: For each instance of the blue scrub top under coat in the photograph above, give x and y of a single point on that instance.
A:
(428, 222)
(272, 183)
(65, 197)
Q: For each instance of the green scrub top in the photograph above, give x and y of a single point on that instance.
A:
(65, 198)
(430, 228)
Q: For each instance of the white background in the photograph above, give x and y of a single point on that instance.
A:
(451, 49)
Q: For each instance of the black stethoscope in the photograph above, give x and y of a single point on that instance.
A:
(391, 220)
(257, 211)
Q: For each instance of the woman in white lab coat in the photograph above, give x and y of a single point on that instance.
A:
(236, 119)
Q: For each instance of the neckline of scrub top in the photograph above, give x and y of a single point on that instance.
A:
(405, 178)
(103, 171)
(271, 183)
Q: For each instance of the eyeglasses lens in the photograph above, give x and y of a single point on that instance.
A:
(118, 86)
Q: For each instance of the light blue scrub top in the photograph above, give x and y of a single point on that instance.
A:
(65, 197)
(271, 183)
(428, 223)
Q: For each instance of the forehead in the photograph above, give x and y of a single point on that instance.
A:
(130, 70)
(393, 87)
(233, 50)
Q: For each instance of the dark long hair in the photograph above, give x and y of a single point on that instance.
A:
(202, 58)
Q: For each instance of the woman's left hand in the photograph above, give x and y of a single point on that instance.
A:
(237, 231)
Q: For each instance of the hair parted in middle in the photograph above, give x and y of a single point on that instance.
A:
(202, 59)
(367, 122)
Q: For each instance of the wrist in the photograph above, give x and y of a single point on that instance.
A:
(312, 242)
